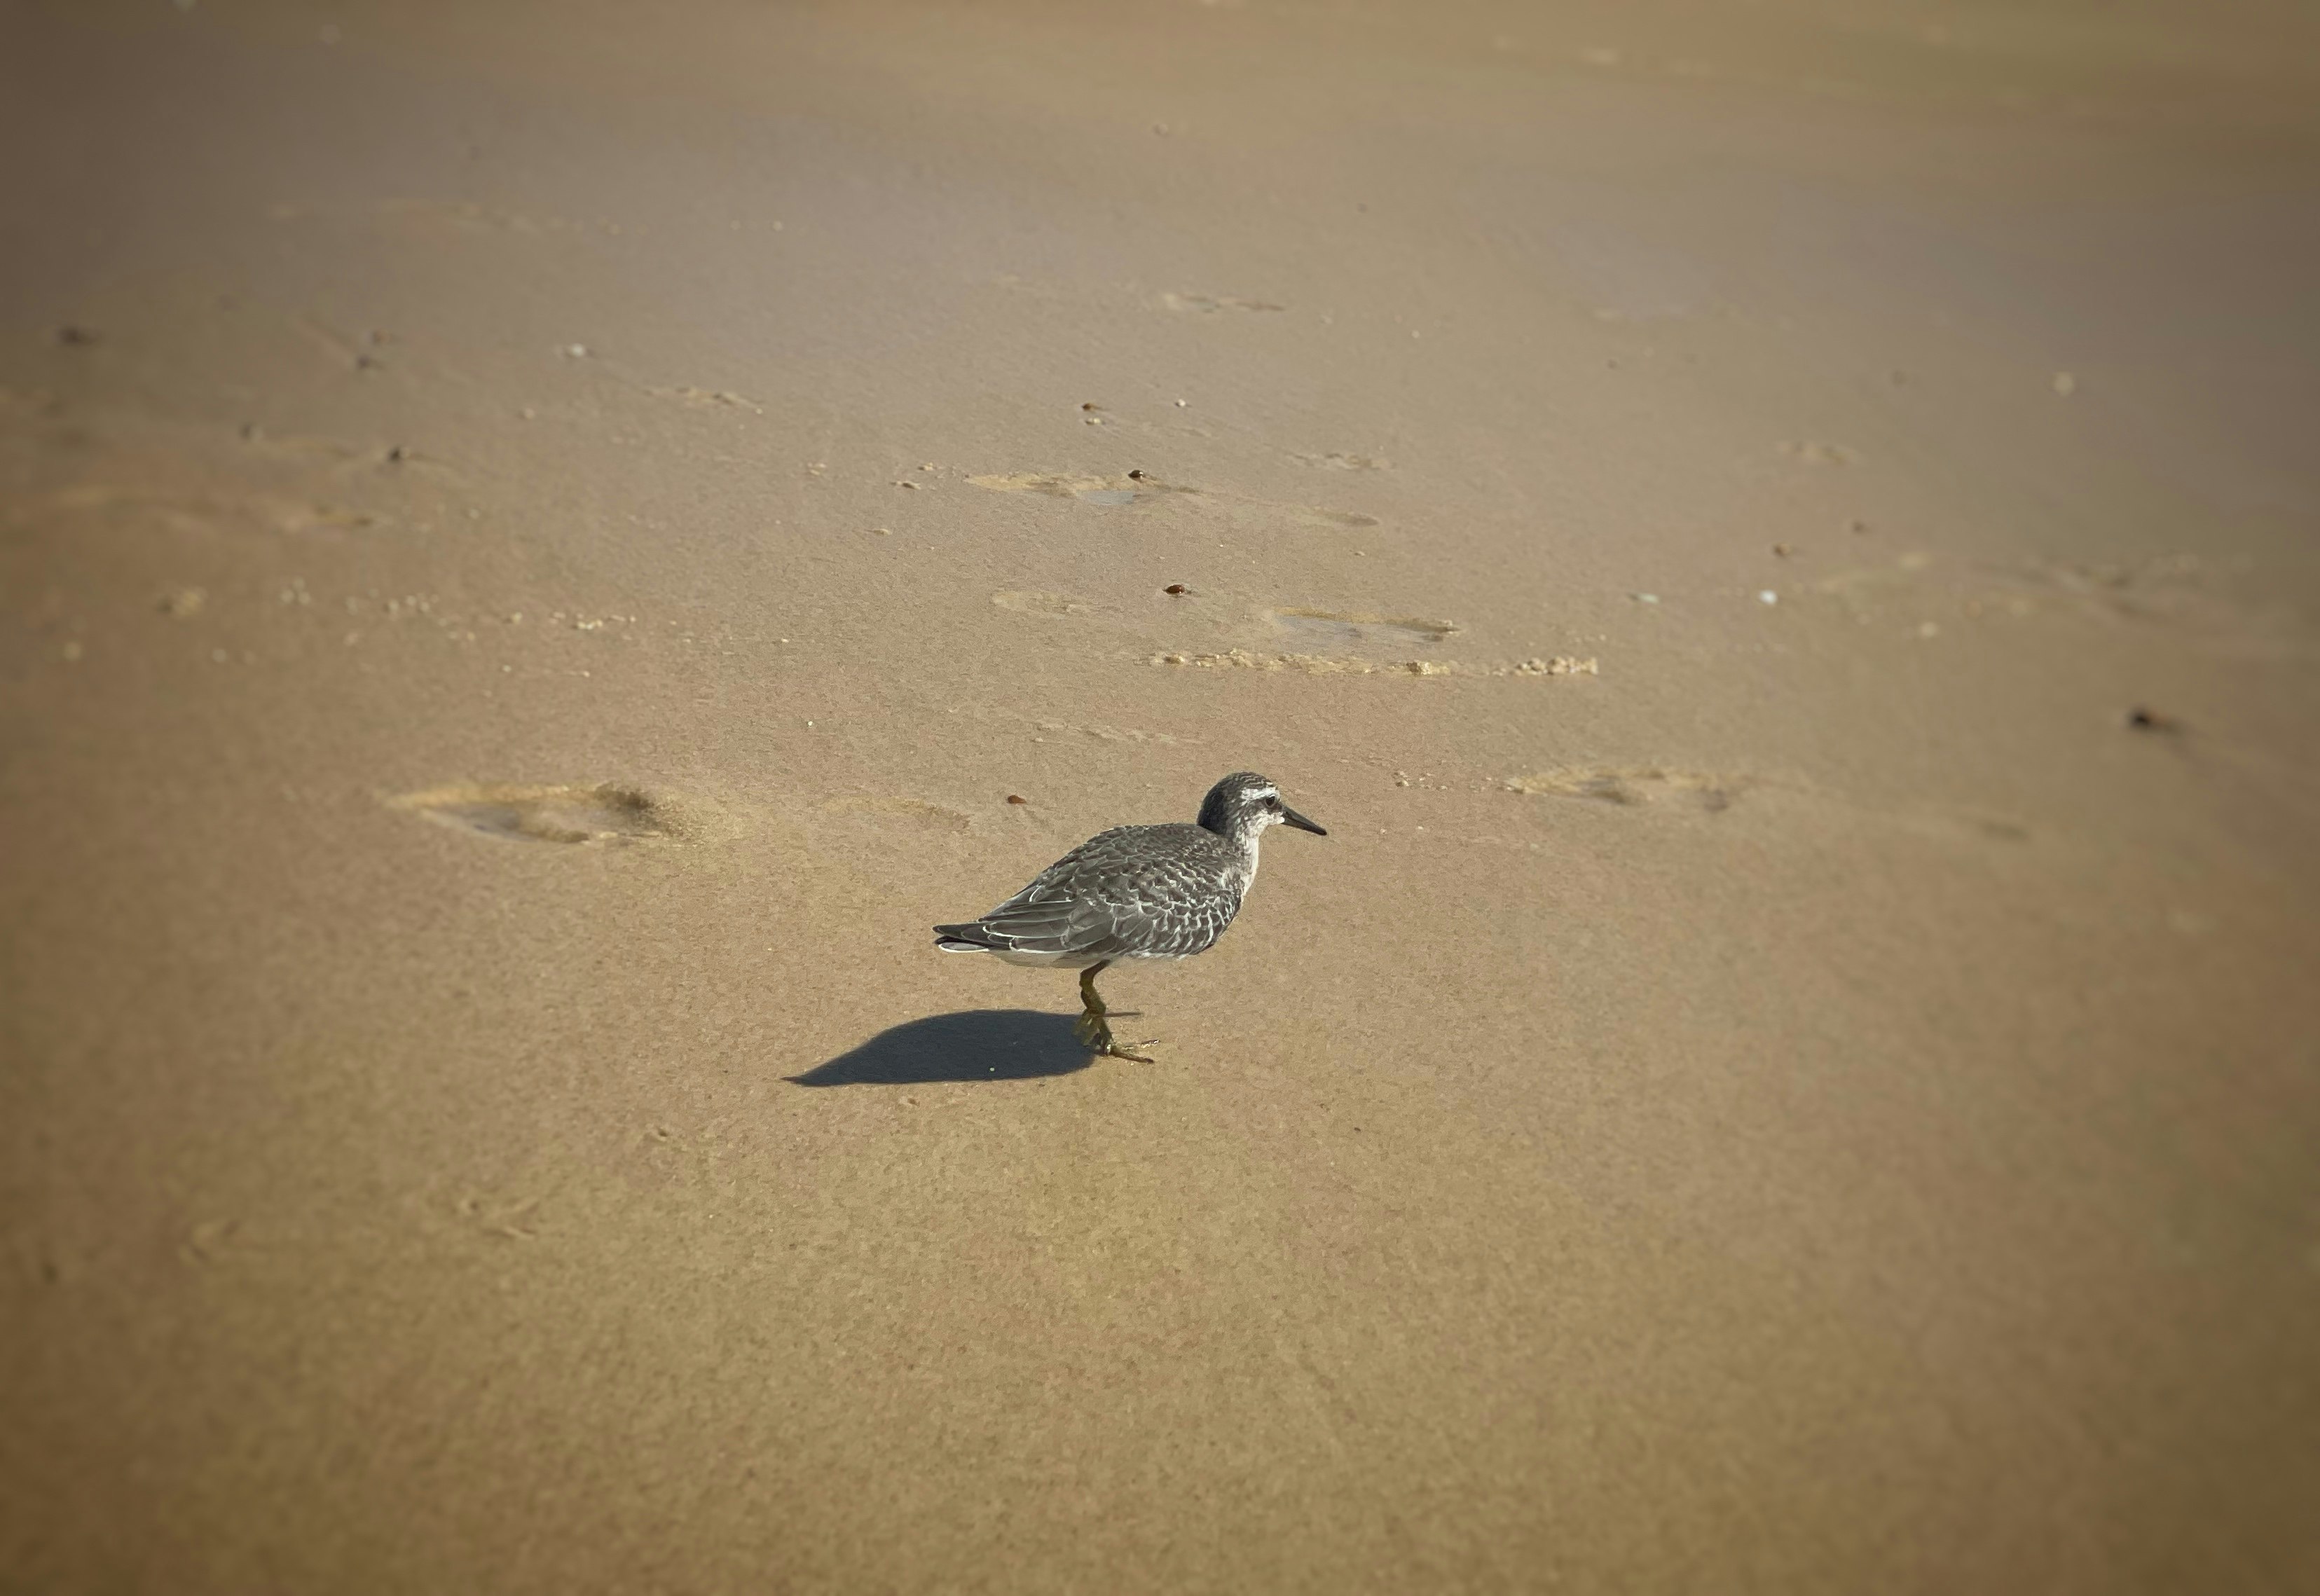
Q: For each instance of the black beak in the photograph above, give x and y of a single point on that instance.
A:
(1290, 817)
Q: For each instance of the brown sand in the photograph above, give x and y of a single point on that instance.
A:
(557, 527)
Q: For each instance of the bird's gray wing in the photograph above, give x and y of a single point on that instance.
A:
(1106, 899)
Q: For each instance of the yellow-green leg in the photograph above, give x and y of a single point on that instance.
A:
(1092, 1029)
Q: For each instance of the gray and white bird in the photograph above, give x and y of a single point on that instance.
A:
(1133, 893)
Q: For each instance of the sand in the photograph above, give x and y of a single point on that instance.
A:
(543, 542)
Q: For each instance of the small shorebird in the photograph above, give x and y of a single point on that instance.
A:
(1135, 892)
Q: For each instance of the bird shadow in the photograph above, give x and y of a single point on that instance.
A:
(974, 1045)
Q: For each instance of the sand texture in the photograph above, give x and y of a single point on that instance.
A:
(543, 546)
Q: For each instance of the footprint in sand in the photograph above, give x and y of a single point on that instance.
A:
(706, 398)
(1087, 490)
(208, 1241)
(1041, 603)
(339, 460)
(198, 511)
(466, 216)
(1359, 644)
(1634, 786)
(294, 449)
(1313, 515)
(1631, 785)
(1360, 631)
(506, 1218)
(2215, 608)
(1811, 452)
(1327, 665)
(2179, 590)
(609, 813)
(1095, 730)
(915, 813)
(1971, 825)
(300, 516)
(1208, 305)
(1366, 645)
(358, 354)
(1143, 488)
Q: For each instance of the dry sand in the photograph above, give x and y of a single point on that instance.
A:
(540, 539)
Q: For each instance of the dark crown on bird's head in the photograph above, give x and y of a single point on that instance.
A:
(1245, 803)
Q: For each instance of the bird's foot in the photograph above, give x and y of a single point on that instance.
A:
(1096, 1036)
(1111, 1049)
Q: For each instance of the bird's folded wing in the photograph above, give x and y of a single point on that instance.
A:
(1149, 907)
(1096, 920)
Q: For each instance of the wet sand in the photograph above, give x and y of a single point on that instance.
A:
(543, 542)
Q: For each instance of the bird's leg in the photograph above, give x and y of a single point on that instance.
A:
(1090, 1024)
(1092, 1029)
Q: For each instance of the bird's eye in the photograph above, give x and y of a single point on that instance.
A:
(1272, 803)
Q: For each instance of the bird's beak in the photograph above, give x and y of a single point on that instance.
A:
(1290, 817)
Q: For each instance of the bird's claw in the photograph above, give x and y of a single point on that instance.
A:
(1095, 1036)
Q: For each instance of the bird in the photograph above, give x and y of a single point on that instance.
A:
(1134, 893)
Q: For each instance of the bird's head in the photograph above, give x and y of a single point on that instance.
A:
(1243, 804)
